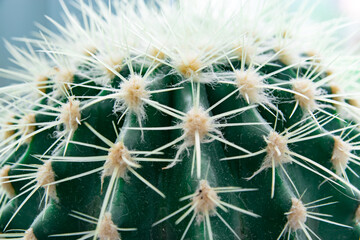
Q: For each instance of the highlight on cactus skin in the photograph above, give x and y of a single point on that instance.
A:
(182, 120)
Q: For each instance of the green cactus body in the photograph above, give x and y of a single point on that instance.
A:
(201, 120)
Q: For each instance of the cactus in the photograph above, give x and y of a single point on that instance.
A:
(191, 120)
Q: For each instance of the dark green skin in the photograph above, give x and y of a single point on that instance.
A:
(136, 205)
(179, 181)
(273, 210)
(133, 197)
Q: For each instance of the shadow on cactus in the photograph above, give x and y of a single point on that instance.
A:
(189, 120)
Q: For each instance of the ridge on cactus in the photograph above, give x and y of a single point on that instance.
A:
(182, 120)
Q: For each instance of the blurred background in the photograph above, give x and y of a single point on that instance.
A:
(17, 18)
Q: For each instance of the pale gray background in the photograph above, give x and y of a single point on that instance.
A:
(17, 18)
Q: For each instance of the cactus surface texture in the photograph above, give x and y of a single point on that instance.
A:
(187, 120)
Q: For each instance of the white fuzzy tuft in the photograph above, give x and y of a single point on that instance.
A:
(297, 214)
(7, 127)
(63, 78)
(118, 157)
(309, 91)
(132, 92)
(29, 235)
(357, 215)
(114, 63)
(340, 155)
(71, 115)
(277, 149)
(107, 229)
(249, 83)
(45, 175)
(27, 125)
(197, 120)
(205, 200)
(189, 66)
(7, 186)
